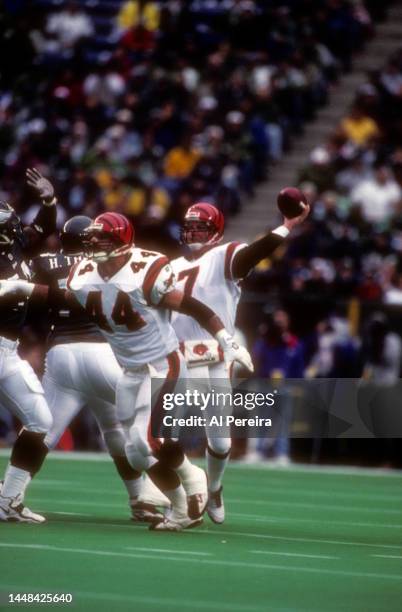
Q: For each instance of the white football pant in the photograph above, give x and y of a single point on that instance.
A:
(217, 440)
(82, 374)
(135, 405)
(20, 390)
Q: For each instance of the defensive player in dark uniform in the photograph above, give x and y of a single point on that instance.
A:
(81, 369)
(20, 390)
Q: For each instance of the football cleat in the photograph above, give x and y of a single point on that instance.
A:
(174, 521)
(196, 487)
(144, 513)
(216, 507)
(13, 511)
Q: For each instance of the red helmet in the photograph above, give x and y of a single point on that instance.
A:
(203, 226)
(110, 235)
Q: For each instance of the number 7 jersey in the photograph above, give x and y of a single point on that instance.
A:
(124, 305)
(208, 278)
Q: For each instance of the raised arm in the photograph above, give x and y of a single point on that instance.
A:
(44, 223)
(248, 257)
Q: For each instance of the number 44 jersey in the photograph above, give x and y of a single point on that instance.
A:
(124, 306)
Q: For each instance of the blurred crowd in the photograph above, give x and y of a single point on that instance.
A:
(347, 258)
(142, 106)
(333, 297)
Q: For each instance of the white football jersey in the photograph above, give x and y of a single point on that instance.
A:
(123, 306)
(209, 279)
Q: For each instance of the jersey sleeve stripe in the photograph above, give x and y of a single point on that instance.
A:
(157, 410)
(151, 277)
(228, 259)
(71, 274)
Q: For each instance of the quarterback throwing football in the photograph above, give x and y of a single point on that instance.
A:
(211, 272)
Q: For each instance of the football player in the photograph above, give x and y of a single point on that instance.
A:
(81, 369)
(20, 390)
(211, 271)
(130, 292)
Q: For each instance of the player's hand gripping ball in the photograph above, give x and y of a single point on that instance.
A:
(290, 202)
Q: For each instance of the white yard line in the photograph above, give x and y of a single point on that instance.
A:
(352, 495)
(263, 519)
(387, 556)
(288, 554)
(293, 504)
(169, 550)
(70, 513)
(263, 566)
(56, 482)
(265, 536)
(33, 498)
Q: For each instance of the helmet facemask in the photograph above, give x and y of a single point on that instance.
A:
(102, 246)
(197, 234)
(10, 227)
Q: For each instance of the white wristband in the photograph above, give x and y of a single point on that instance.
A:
(282, 231)
(52, 202)
(223, 337)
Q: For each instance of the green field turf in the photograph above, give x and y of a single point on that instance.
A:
(308, 541)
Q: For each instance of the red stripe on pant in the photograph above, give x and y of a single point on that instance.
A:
(157, 410)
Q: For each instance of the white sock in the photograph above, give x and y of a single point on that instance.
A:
(215, 469)
(134, 487)
(178, 500)
(15, 482)
(150, 494)
(185, 470)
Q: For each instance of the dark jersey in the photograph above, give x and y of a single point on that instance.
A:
(13, 310)
(13, 265)
(68, 323)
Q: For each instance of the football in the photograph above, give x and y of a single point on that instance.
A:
(289, 200)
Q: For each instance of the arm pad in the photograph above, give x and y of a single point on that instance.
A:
(246, 259)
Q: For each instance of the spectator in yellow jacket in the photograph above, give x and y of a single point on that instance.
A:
(181, 160)
(139, 12)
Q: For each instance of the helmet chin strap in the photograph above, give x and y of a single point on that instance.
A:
(103, 256)
(100, 257)
(195, 246)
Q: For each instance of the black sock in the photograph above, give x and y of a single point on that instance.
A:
(29, 452)
(125, 470)
(163, 477)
